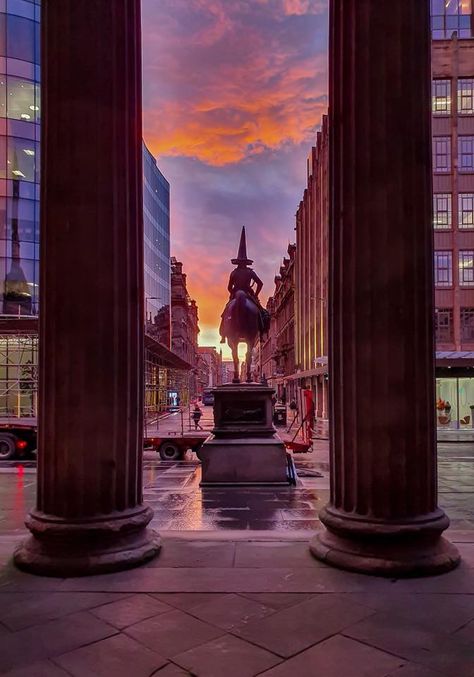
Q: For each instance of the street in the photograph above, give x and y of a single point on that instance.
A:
(172, 489)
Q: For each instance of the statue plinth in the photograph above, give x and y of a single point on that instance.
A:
(244, 448)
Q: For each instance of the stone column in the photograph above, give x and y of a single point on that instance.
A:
(89, 515)
(383, 516)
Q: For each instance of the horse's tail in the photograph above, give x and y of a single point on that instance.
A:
(240, 300)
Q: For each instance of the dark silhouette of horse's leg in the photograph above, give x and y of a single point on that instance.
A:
(235, 356)
(248, 360)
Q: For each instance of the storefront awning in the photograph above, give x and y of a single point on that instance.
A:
(456, 358)
(165, 355)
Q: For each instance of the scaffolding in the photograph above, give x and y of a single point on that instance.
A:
(18, 375)
(165, 387)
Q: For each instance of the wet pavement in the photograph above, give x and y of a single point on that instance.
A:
(172, 490)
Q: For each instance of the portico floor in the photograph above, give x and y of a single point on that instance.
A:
(242, 604)
(237, 593)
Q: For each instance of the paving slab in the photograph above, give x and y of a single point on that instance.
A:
(450, 611)
(37, 669)
(227, 656)
(51, 639)
(171, 670)
(20, 611)
(265, 554)
(132, 609)
(415, 670)
(277, 600)
(338, 657)
(296, 628)
(118, 656)
(429, 647)
(231, 611)
(195, 553)
(187, 600)
(172, 633)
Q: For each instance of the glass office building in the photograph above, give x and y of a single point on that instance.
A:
(156, 222)
(20, 110)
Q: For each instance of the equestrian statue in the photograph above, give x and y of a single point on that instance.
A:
(243, 317)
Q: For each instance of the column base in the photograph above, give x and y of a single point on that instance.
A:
(100, 545)
(405, 549)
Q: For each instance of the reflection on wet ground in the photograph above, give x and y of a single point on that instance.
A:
(172, 489)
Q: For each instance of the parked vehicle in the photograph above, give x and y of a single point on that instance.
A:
(207, 396)
(17, 438)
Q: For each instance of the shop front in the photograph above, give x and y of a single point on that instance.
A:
(455, 391)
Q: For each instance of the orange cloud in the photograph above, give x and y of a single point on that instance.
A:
(240, 82)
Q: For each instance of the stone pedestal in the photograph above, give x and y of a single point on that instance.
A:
(383, 516)
(89, 516)
(244, 447)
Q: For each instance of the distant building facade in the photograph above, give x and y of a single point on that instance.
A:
(214, 361)
(184, 322)
(453, 211)
(311, 281)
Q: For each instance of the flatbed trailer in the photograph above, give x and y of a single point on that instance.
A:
(173, 446)
(18, 440)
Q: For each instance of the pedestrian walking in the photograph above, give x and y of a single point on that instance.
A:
(196, 416)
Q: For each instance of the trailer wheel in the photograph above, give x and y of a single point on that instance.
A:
(7, 446)
(170, 451)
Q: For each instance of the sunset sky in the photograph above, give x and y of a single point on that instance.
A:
(234, 91)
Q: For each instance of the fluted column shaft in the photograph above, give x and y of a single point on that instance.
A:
(90, 431)
(381, 346)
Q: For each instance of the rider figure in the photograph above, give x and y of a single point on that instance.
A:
(242, 279)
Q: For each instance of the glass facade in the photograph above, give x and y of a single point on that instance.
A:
(20, 111)
(156, 219)
(451, 16)
(455, 402)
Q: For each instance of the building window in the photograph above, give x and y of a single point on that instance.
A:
(466, 268)
(466, 96)
(467, 324)
(466, 210)
(443, 268)
(442, 154)
(444, 325)
(449, 16)
(466, 153)
(21, 161)
(441, 97)
(442, 210)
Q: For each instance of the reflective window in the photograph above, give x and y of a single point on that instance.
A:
(3, 96)
(443, 264)
(3, 157)
(441, 97)
(3, 34)
(21, 159)
(466, 210)
(442, 154)
(449, 16)
(444, 328)
(466, 268)
(21, 103)
(466, 153)
(442, 210)
(466, 96)
(20, 38)
(467, 325)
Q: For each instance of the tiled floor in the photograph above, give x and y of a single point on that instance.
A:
(235, 607)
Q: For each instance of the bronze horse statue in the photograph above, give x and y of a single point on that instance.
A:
(243, 317)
